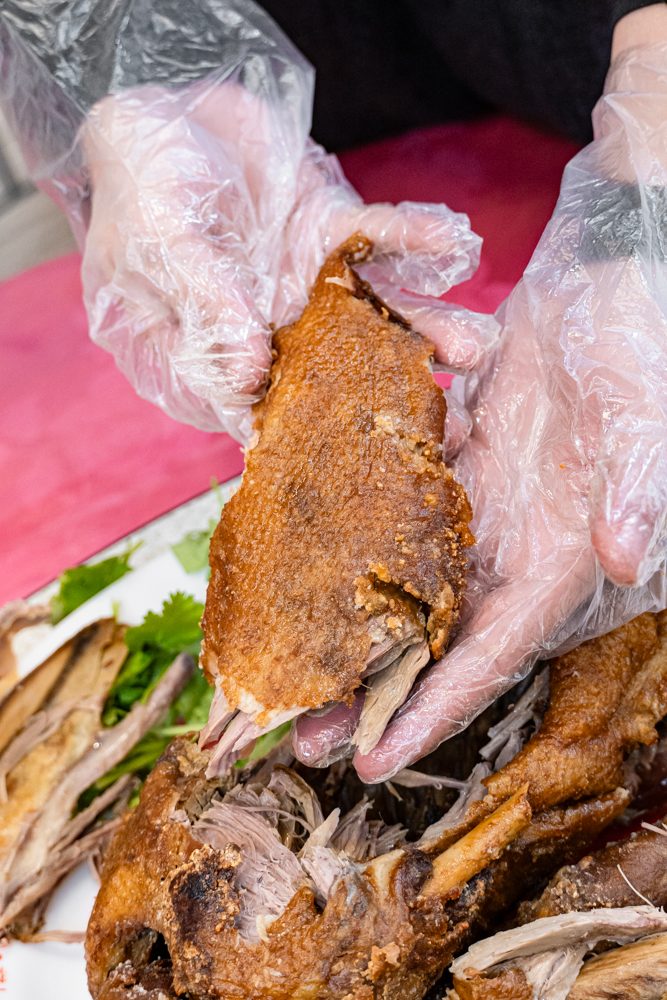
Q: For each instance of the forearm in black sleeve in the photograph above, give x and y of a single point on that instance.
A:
(542, 60)
(384, 66)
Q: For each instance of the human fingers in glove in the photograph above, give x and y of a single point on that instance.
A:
(566, 464)
(200, 215)
(177, 140)
(210, 218)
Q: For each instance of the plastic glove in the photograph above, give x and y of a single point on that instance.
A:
(211, 216)
(566, 465)
(203, 209)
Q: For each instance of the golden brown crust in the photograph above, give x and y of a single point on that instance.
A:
(510, 984)
(381, 934)
(141, 856)
(158, 881)
(551, 839)
(345, 482)
(638, 971)
(154, 982)
(597, 880)
(604, 699)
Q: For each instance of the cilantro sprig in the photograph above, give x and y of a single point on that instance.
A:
(192, 550)
(187, 713)
(153, 645)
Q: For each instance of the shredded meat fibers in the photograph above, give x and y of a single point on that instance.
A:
(383, 928)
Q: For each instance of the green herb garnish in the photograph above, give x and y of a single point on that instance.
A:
(192, 551)
(78, 585)
(140, 761)
(190, 710)
(153, 646)
(187, 713)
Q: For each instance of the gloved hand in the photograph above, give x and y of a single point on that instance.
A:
(212, 213)
(203, 209)
(566, 465)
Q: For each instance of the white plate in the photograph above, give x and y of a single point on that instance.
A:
(55, 971)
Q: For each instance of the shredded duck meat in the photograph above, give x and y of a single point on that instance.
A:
(546, 955)
(52, 748)
(234, 905)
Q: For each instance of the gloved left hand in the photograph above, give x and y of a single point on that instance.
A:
(566, 465)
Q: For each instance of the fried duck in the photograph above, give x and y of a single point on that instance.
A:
(240, 885)
(606, 697)
(248, 891)
(604, 700)
(621, 874)
(342, 555)
(541, 961)
(595, 899)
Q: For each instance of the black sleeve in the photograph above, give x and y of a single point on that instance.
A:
(387, 65)
(379, 71)
(541, 60)
(383, 66)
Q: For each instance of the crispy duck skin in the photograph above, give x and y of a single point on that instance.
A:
(389, 926)
(593, 697)
(154, 982)
(605, 698)
(346, 515)
(552, 836)
(141, 855)
(509, 985)
(596, 879)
